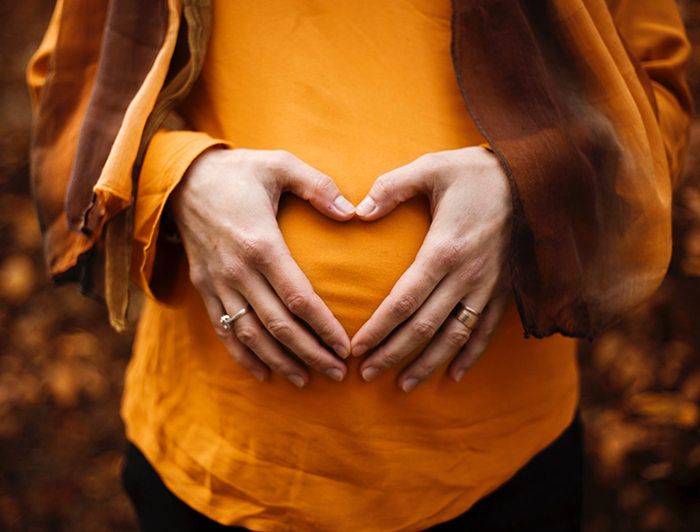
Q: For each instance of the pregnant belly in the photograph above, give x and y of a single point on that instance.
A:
(353, 265)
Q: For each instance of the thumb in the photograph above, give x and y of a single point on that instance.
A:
(319, 189)
(388, 191)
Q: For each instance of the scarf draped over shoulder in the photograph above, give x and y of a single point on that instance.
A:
(561, 98)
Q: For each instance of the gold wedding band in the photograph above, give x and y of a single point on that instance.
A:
(227, 321)
(467, 316)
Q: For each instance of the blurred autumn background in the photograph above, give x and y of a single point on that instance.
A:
(61, 366)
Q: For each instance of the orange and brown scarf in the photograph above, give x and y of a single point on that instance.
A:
(550, 84)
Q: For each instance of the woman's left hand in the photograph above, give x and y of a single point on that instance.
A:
(464, 258)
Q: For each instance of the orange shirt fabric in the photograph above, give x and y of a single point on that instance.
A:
(354, 89)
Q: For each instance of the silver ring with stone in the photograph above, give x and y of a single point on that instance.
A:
(227, 321)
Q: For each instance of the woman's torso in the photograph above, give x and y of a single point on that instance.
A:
(354, 89)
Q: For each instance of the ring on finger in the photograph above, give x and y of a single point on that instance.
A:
(467, 316)
(227, 321)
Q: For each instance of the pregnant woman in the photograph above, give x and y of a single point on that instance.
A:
(329, 247)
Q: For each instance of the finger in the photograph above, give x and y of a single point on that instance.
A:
(415, 332)
(450, 340)
(391, 189)
(250, 331)
(316, 187)
(273, 259)
(408, 294)
(243, 356)
(480, 338)
(284, 328)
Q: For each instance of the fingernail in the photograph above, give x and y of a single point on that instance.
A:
(359, 350)
(335, 374)
(409, 384)
(297, 379)
(370, 373)
(258, 374)
(459, 375)
(341, 351)
(365, 207)
(343, 205)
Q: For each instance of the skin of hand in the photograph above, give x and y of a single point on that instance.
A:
(225, 208)
(464, 258)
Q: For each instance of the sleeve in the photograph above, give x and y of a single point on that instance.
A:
(168, 157)
(655, 36)
(59, 82)
(38, 66)
(586, 106)
(94, 82)
(102, 81)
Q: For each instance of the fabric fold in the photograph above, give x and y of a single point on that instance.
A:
(554, 90)
(112, 74)
(552, 85)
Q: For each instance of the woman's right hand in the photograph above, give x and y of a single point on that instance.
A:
(225, 209)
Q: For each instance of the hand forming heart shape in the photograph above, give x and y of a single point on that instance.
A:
(238, 257)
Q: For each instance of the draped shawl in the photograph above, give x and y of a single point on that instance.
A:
(551, 85)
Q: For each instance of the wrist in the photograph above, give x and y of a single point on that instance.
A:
(185, 195)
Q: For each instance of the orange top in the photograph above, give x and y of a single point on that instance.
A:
(354, 89)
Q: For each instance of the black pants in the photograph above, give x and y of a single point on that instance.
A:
(544, 496)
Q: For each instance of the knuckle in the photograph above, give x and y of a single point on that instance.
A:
(423, 370)
(322, 186)
(282, 160)
(325, 330)
(280, 329)
(404, 307)
(198, 278)
(487, 331)
(256, 248)
(428, 161)
(432, 164)
(389, 359)
(238, 359)
(223, 334)
(447, 256)
(424, 330)
(278, 366)
(457, 338)
(238, 355)
(298, 303)
(471, 359)
(475, 269)
(232, 271)
(312, 359)
(247, 334)
(386, 185)
(392, 358)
